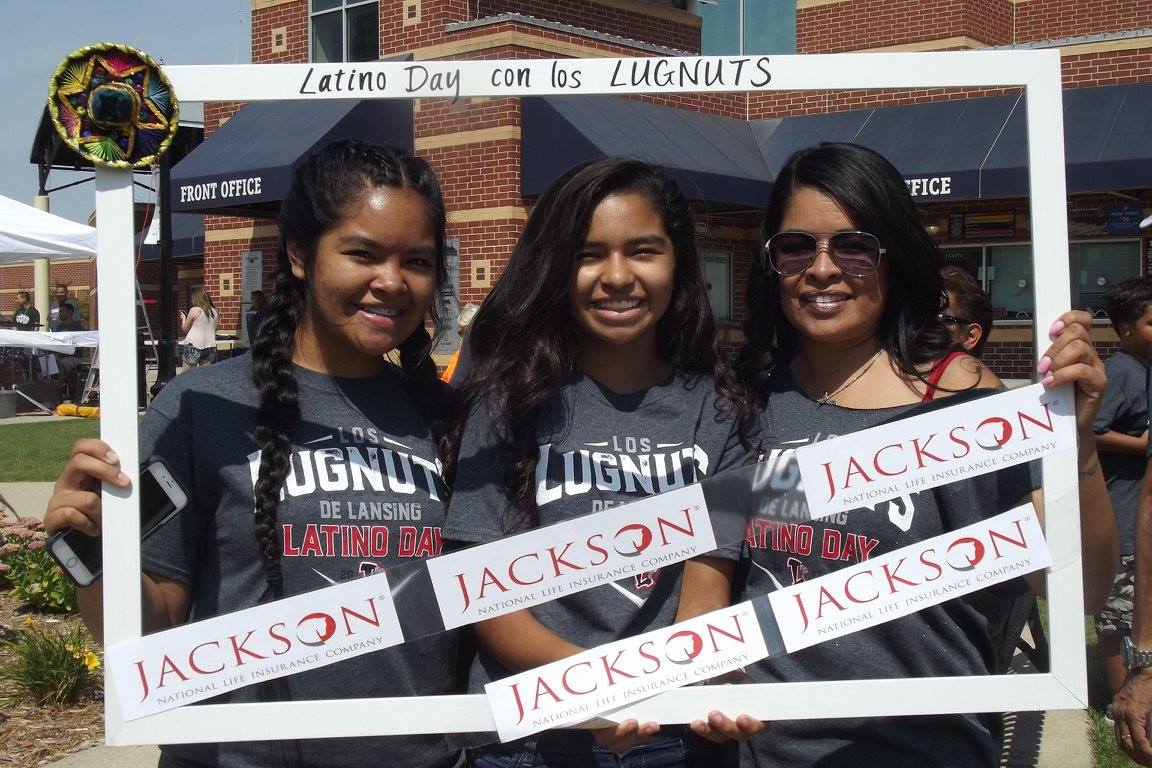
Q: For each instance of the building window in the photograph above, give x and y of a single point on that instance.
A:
(739, 27)
(1009, 281)
(718, 277)
(345, 30)
(1096, 267)
(1005, 272)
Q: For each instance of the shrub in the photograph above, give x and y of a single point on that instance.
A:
(30, 571)
(50, 665)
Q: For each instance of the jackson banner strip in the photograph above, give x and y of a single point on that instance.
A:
(568, 557)
(204, 659)
(196, 661)
(898, 583)
(950, 444)
(911, 578)
(609, 676)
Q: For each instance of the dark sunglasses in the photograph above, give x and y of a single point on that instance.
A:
(951, 319)
(854, 253)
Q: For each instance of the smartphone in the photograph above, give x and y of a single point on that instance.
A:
(161, 497)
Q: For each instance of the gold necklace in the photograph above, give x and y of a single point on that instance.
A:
(827, 396)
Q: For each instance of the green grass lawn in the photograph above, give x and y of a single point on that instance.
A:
(37, 452)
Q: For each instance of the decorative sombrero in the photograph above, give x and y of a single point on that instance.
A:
(113, 105)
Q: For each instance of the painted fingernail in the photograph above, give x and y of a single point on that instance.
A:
(1057, 328)
(1048, 380)
(112, 457)
(1044, 365)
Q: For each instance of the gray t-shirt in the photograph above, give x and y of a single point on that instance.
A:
(598, 449)
(1124, 409)
(960, 637)
(363, 493)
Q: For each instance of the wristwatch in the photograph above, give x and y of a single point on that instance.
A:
(1135, 658)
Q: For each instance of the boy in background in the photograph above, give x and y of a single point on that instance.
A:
(1121, 429)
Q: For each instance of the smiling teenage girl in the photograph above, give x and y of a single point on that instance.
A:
(284, 430)
(596, 380)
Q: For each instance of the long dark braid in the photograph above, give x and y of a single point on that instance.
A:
(324, 187)
(279, 411)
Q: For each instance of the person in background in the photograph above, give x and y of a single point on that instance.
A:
(66, 365)
(66, 319)
(1121, 429)
(1132, 706)
(199, 326)
(968, 314)
(26, 317)
(460, 364)
(61, 298)
(254, 315)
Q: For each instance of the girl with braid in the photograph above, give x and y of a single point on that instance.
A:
(596, 379)
(331, 442)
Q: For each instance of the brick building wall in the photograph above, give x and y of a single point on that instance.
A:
(1049, 19)
(475, 145)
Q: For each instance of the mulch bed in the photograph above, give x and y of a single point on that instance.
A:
(31, 735)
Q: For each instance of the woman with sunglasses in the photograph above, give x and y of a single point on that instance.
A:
(843, 335)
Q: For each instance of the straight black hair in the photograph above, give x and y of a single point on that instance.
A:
(873, 194)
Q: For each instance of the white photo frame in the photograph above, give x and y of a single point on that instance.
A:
(1038, 72)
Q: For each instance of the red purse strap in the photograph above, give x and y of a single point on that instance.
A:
(937, 373)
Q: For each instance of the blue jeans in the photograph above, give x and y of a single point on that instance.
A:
(681, 750)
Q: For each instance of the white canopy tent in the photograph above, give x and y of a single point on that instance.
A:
(28, 233)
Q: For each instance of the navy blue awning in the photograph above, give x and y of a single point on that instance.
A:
(1107, 143)
(714, 159)
(245, 167)
(947, 150)
(187, 239)
(939, 147)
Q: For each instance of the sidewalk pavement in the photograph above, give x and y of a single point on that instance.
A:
(25, 499)
(111, 757)
(1063, 743)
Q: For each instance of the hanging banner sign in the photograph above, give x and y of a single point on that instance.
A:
(896, 584)
(950, 444)
(204, 659)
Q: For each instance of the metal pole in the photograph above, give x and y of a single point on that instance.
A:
(165, 346)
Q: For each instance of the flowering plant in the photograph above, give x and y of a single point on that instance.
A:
(28, 569)
(51, 665)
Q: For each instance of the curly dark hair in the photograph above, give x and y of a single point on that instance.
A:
(525, 340)
(324, 188)
(872, 192)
